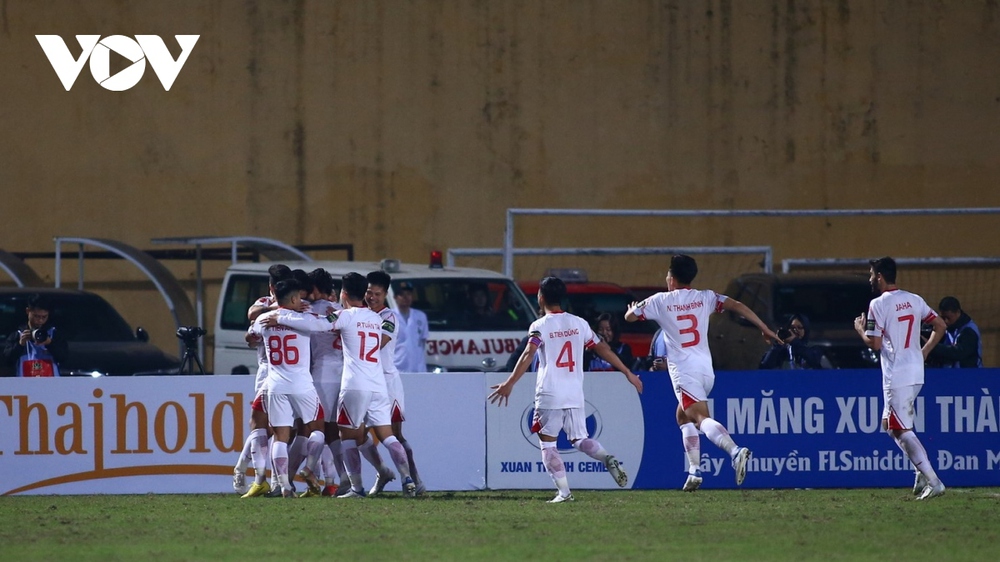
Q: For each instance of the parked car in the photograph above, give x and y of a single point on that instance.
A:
(100, 341)
(588, 299)
(831, 302)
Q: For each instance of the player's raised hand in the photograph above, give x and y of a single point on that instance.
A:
(501, 394)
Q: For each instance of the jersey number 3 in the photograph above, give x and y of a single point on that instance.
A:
(692, 329)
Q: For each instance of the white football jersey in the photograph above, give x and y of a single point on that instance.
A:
(361, 335)
(327, 351)
(561, 339)
(895, 316)
(683, 316)
(390, 328)
(287, 348)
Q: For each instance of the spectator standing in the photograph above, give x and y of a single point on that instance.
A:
(795, 353)
(609, 331)
(962, 345)
(417, 330)
(33, 350)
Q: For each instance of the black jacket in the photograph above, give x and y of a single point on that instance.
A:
(13, 350)
(966, 349)
(804, 355)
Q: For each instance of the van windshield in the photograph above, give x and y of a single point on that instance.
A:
(471, 305)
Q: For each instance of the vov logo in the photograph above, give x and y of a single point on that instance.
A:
(139, 50)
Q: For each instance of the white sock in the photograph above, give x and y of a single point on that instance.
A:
(274, 474)
(592, 448)
(244, 460)
(718, 435)
(914, 449)
(398, 454)
(337, 448)
(326, 464)
(279, 460)
(259, 453)
(352, 462)
(692, 446)
(314, 447)
(413, 467)
(555, 467)
(370, 453)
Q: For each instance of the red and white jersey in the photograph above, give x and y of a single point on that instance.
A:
(361, 335)
(561, 338)
(895, 316)
(390, 328)
(327, 351)
(683, 316)
(260, 381)
(287, 347)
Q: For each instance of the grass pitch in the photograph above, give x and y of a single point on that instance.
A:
(863, 524)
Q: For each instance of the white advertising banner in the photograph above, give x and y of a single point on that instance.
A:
(614, 417)
(182, 434)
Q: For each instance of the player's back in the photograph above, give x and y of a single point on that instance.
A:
(361, 335)
(561, 338)
(896, 316)
(327, 351)
(683, 316)
(287, 348)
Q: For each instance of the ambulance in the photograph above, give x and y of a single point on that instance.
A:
(477, 317)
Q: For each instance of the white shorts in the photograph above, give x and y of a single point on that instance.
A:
(691, 389)
(571, 420)
(395, 385)
(329, 397)
(363, 407)
(898, 410)
(282, 409)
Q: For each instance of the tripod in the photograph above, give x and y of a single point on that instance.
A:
(190, 359)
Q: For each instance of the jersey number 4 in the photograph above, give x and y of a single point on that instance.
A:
(282, 351)
(692, 329)
(565, 358)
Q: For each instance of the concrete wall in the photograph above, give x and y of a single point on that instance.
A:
(407, 126)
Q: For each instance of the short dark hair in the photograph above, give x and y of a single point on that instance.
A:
(302, 278)
(355, 285)
(278, 272)
(950, 304)
(322, 280)
(379, 279)
(553, 290)
(683, 268)
(285, 288)
(886, 267)
(38, 302)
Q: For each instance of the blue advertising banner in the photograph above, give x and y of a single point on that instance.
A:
(822, 429)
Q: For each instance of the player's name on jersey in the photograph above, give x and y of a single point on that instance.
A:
(686, 306)
(369, 325)
(903, 306)
(564, 333)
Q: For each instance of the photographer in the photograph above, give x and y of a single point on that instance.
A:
(962, 345)
(795, 353)
(33, 350)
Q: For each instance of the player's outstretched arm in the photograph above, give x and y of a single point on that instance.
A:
(501, 392)
(939, 328)
(733, 305)
(611, 357)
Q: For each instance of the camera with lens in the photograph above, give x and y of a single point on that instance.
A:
(784, 333)
(39, 335)
(190, 334)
